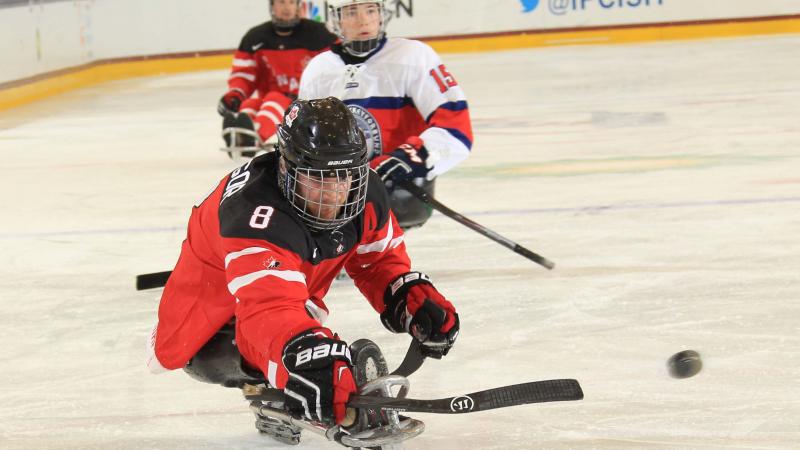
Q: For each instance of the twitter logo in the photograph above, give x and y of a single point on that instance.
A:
(529, 5)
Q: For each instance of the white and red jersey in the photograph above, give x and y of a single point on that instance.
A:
(401, 90)
(266, 62)
(247, 255)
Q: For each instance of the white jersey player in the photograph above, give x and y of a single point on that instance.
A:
(411, 109)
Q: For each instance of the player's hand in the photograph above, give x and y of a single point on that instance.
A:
(320, 376)
(230, 102)
(415, 306)
(406, 162)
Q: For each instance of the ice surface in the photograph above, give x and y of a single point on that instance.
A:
(663, 179)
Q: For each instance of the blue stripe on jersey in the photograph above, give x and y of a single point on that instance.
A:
(450, 106)
(381, 102)
(460, 136)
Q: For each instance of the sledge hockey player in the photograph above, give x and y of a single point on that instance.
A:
(260, 254)
(411, 109)
(266, 73)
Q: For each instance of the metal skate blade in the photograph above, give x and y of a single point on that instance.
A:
(385, 435)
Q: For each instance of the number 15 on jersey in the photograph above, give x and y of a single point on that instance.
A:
(443, 78)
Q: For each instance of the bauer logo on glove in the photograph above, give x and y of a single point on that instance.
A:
(323, 351)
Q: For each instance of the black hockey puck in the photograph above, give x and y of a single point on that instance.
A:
(684, 364)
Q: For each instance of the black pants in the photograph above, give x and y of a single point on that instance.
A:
(219, 361)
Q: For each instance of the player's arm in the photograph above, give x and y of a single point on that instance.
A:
(380, 256)
(277, 329)
(447, 140)
(271, 296)
(242, 80)
(406, 300)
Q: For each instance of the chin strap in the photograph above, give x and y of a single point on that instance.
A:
(351, 57)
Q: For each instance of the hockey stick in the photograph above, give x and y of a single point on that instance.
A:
(561, 390)
(152, 280)
(404, 428)
(501, 397)
(418, 192)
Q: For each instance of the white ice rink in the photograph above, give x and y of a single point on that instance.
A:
(663, 179)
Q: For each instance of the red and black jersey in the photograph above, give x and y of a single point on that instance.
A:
(248, 255)
(267, 62)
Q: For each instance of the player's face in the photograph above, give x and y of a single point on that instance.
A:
(323, 196)
(360, 22)
(284, 9)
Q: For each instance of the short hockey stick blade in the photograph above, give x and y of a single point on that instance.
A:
(152, 280)
(412, 361)
(501, 397)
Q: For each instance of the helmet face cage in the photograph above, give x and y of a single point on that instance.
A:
(325, 199)
(357, 48)
(324, 163)
(281, 24)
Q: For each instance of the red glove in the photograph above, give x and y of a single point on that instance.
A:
(344, 385)
(230, 102)
(415, 306)
(320, 376)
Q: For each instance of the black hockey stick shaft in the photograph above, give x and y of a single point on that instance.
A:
(152, 280)
(501, 397)
(420, 193)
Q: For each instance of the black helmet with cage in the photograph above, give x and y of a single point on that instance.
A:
(324, 164)
(281, 24)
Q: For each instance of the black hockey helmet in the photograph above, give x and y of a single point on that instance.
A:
(324, 162)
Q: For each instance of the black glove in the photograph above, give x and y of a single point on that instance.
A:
(404, 163)
(413, 305)
(320, 376)
(230, 102)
